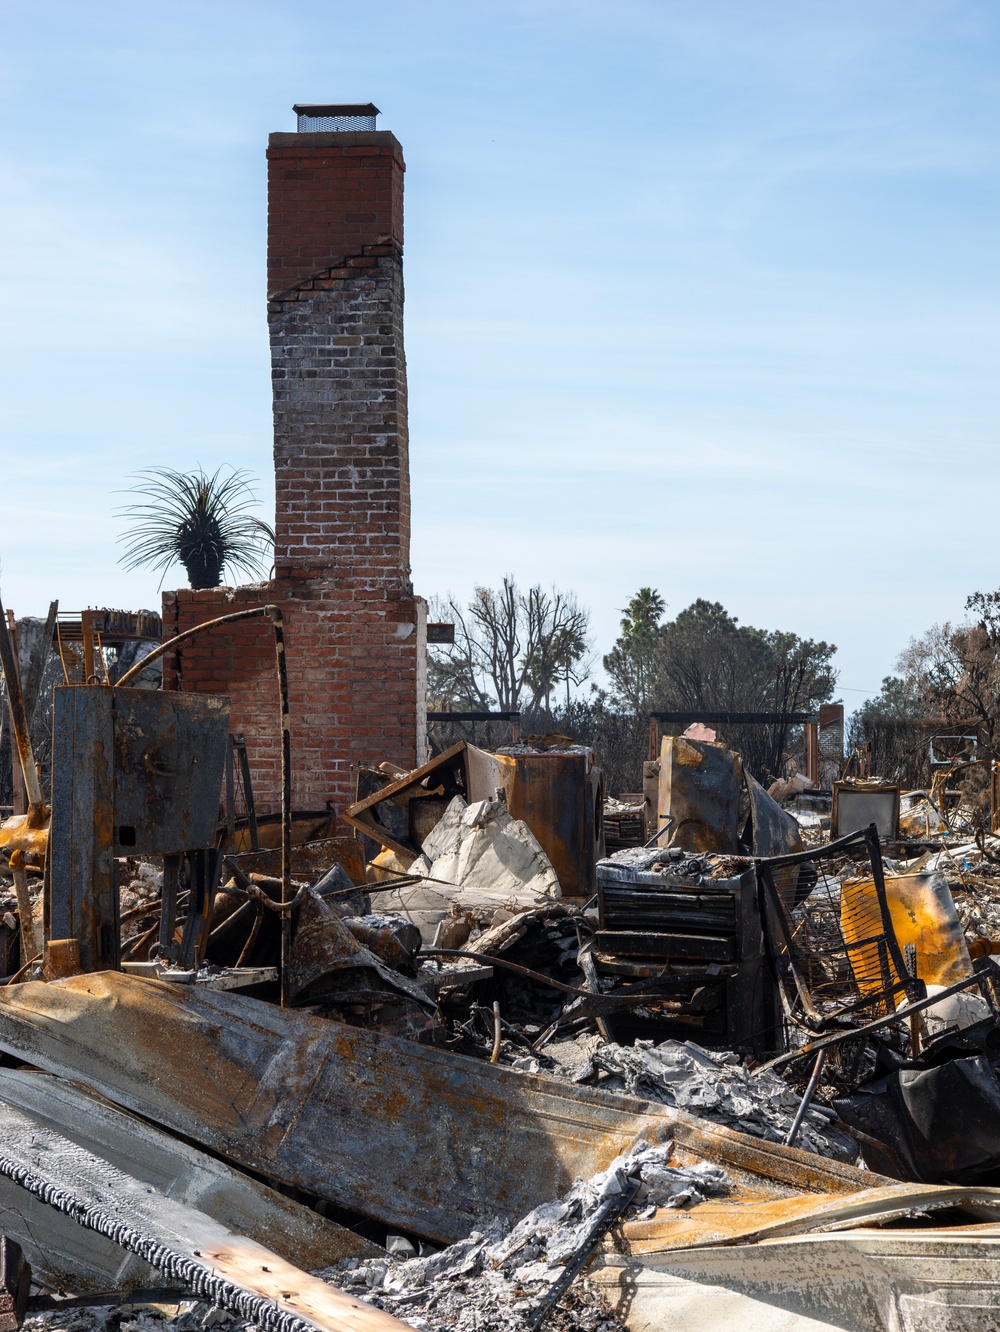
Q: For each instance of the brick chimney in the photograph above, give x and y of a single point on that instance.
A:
(356, 643)
(335, 310)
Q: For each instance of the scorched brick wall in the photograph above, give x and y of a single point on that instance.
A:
(354, 630)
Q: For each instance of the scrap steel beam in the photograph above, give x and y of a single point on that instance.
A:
(736, 718)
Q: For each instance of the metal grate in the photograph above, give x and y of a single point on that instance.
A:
(835, 951)
(339, 116)
(313, 124)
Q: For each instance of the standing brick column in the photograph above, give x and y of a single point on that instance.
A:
(355, 631)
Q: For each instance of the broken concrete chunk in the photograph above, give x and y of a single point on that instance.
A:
(481, 846)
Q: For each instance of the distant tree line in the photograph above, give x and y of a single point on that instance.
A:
(947, 683)
(528, 651)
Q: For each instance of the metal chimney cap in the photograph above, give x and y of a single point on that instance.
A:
(313, 117)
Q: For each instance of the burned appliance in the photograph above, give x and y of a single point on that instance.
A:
(134, 772)
(555, 788)
(685, 931)
(857, 804)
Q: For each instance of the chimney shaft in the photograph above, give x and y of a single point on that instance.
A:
(335, 280)
(329, 195)
(354, 631)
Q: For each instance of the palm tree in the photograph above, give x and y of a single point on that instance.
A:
(204, 522)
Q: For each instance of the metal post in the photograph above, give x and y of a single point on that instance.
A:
(286, 803)
(810, 1091)
(230, 795)
(241, 749)
(168, 907)
(36, 806)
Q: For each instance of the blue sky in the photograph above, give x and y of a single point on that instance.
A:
(699, 295)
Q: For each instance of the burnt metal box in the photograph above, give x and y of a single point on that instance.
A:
(559, 793)
(688, 930)
(858, 804)
(699, 795)
(134, 772)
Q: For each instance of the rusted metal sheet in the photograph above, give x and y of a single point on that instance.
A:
(864, 1280)
(560, 796)
(66, 1256)
(134, 772)
(169, 756)
(775, 831)
(745, 1218)
(699, 796)
(330, 963)
(82, 897)
(417, 1137)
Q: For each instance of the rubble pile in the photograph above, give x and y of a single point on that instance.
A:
(494, 1279)
(417, 1034)
(714, 1085)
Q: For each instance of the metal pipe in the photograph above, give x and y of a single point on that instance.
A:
(171, 643)
(659, 833)
(241, 745)
(15, 700)
(29, 941)
(810, 1092)
(286, 803)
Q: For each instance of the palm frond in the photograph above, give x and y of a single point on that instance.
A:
(199, 520)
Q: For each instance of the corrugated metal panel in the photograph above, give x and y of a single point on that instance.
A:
(64, 1254)
(417, 1137)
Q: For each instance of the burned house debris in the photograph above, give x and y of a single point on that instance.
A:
(305, 1027)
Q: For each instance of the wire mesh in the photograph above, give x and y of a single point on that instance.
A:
(317, 124)
(835, 951)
